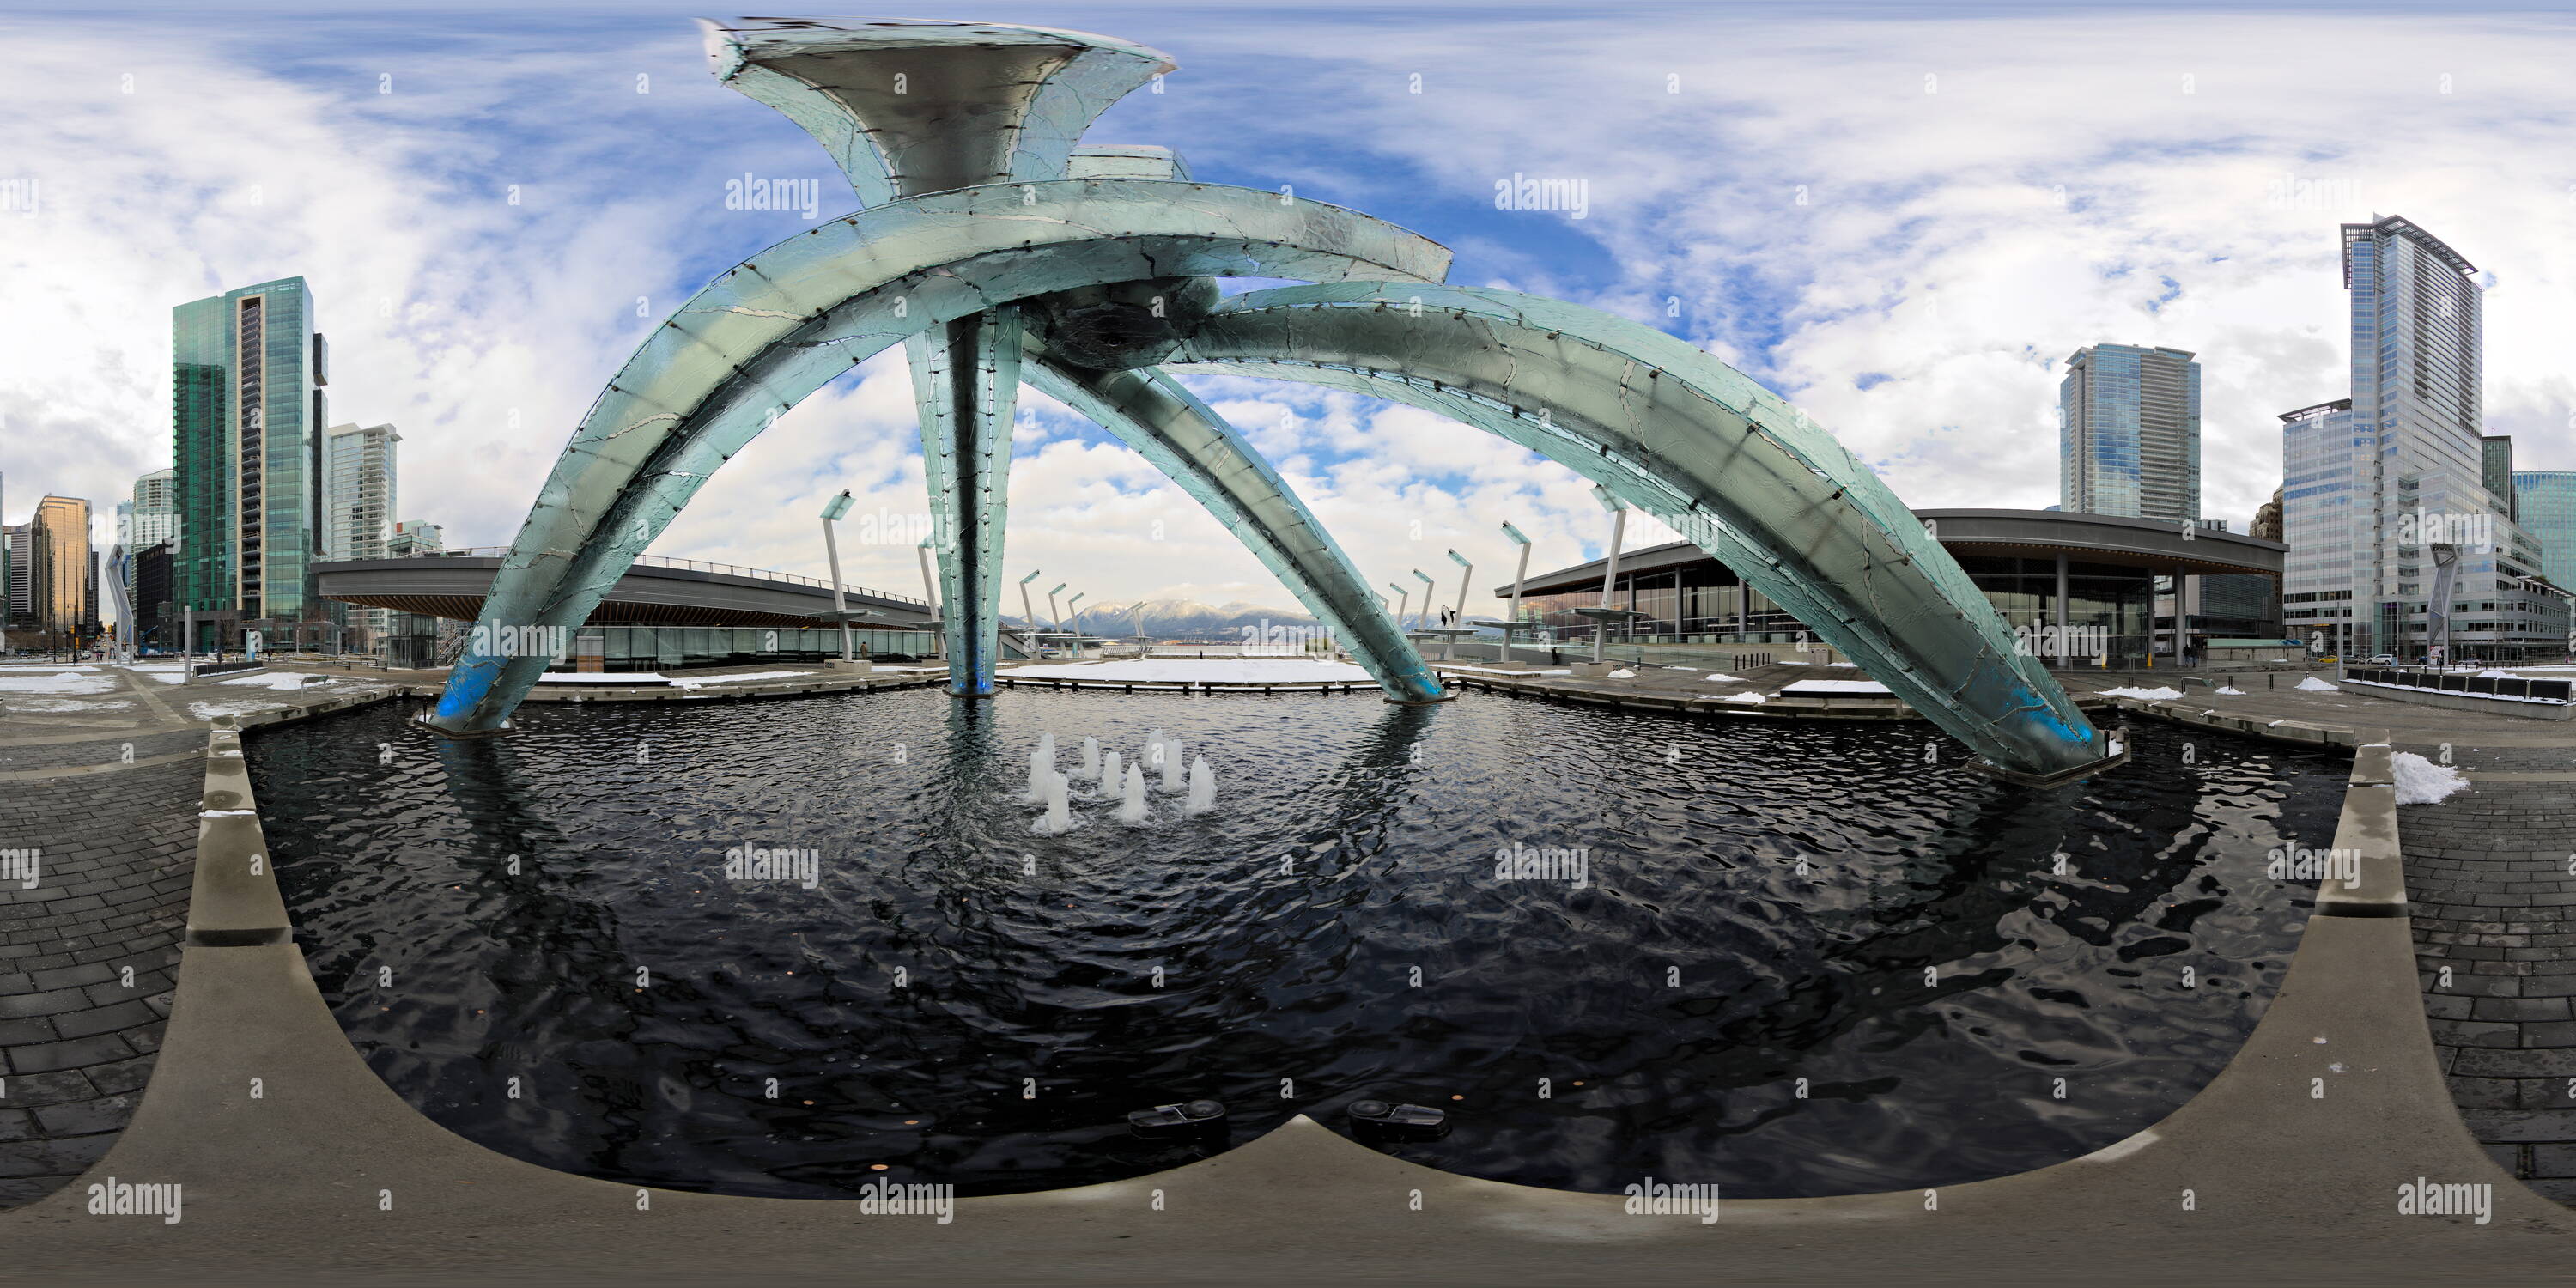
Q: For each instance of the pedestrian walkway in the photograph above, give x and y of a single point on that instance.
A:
(100, 769)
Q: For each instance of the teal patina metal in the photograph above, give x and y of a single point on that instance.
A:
(997, 247)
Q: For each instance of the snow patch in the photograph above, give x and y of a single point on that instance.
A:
(1804, 687)
(1623, 674)
(279, 680)
(743, 679)
(58, 706)
(2421, 782)
(1754, 698)
(1724, 679)
(1157, 670)
(2314, 685)
(2144, 695)
(2230, 691)
(59, 684)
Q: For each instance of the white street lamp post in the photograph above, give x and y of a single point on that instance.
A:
(930, 593)
(1610, 570)
(1449, 646)
(1027, 613)
(840, 505)
(1518, 576)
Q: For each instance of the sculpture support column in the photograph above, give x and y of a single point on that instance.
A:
(1192, 445)
(966, 379)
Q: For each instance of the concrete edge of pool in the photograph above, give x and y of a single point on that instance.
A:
(2293, 1158)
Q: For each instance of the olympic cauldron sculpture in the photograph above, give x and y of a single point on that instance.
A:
(996, 247)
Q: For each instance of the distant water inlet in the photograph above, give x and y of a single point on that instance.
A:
(821, 946)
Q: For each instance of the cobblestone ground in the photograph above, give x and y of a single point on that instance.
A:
(2492, 876)
(101, 787)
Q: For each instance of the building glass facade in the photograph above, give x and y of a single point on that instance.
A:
(60, 585)
(2129, 433)
(358, 507)
(2548, 502)
(247, 407)
(1701, 603)
(2406, 468)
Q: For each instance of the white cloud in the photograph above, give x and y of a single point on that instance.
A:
(1817, 213)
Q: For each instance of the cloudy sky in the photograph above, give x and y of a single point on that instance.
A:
(1903, 218)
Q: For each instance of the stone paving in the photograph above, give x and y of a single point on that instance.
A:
(102, 787)
(2491, 885)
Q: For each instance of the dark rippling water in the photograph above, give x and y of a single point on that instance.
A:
(1334, 930)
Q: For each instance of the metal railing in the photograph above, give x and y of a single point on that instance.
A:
(2454, 682)
(694, 565)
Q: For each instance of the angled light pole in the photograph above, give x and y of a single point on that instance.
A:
(930, 592)
(1055, 615)
(1403, 601)
(1028, 614)
(1423, 612)
(1610, 569)
(1519, 575)
(1466, 570)
(840, 505)
(1074, 606)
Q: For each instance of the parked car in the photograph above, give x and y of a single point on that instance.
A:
(2381, 659)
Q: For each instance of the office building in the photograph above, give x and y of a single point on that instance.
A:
(2495, 470)
(61, 581)
(2129, 433)
(357, 510)
(2548, 499)
(247, 410)
(2372, 483)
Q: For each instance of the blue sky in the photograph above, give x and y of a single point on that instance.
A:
(1901, 217)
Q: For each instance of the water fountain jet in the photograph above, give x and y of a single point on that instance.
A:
(1132, 808)
(1202, 797)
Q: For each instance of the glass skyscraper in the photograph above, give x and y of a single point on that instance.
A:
(358, 504)
(2549, 514)
(247, 407)
(2128, 423)
(2373, 482)
(2495, 469)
